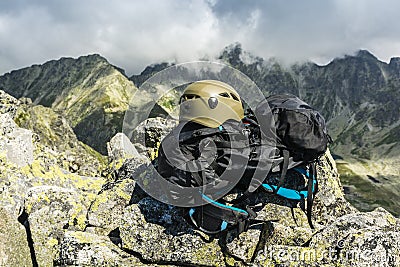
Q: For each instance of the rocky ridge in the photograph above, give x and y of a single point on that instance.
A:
(89, 92)
(53, 217)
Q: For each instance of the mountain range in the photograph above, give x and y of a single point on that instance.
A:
(358, 95)
(91, 93)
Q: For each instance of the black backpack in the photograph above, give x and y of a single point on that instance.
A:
(301, 138)
(300, 129)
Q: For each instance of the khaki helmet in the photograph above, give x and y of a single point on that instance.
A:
(210, 103)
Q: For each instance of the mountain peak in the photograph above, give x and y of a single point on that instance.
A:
(92, 59)
(235, 55)
(231, 53)
(395, 62)
(154, 68)
(233, 48)
(359, 55)
(365, 54)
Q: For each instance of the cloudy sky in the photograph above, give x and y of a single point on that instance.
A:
(133, 34)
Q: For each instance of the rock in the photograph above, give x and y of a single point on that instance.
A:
(39, 198)
(242, 248)
(356, 239)
(14, 248)
(17, 142)
(106, 211)
(141, 149)
(158, 233)
(8, 104)
(120, 148)
(49, 211)
(151, 132)
(58, 142)
(362, 239)
(13, 185)
(20, 148)
(26, 100)
(86, 249)
(330, 202)
(7, 126)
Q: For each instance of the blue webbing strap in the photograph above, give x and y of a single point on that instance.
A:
(308, 194)
(224, 225)
(223, 205)
(292, 193)
(288, 193)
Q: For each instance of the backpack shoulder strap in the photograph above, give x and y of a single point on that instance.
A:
(311, 191)
(285, 165)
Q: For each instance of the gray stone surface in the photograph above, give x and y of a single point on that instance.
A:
(120, 148)
(16, 142)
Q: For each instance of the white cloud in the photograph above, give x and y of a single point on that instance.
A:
(133, 34)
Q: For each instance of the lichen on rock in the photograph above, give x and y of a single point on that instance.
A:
(8, 104)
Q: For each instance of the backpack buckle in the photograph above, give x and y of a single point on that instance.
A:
(246, 132)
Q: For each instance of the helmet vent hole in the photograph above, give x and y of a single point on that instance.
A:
(188, 97)
(224, 95)
(234, 97)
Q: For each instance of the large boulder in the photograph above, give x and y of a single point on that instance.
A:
(39, 198)
(15, 152)
(14, 247)
(355, 239)
(150, 132)
(8, 104)
(15, 142)
(121, 148)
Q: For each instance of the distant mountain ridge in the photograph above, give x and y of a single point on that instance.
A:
(90, 92)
